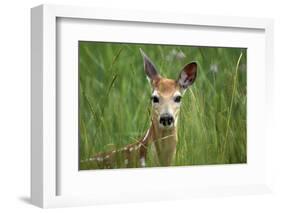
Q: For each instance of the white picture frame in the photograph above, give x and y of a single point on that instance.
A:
(45, 165)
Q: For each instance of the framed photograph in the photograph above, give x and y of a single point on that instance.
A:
(150, 106)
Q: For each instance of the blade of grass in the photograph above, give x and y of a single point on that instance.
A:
(231, 104)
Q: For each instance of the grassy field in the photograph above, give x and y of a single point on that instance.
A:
(114, 100)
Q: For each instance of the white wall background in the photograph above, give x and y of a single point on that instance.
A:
(15, 104)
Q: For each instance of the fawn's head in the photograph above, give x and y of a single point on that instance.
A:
(167, 93)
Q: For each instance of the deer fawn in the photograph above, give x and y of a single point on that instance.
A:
(162, 134)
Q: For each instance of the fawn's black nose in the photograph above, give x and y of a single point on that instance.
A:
(166, 119)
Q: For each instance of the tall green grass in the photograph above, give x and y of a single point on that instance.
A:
(114, 100)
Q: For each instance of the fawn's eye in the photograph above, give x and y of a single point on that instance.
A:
(177, 99)
(155, 99)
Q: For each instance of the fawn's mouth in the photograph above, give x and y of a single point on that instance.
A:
(167, 127)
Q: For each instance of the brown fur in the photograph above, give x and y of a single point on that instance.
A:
(165, 86)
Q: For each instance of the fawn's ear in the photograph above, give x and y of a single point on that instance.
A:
(187, 75)
(149, 68)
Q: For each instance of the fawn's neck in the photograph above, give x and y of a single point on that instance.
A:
(164, 142)
(160, 133)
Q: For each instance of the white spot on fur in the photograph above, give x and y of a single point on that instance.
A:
(125, 148)
(142, 162)
(99, 159)
(106, 157)
(131, 149)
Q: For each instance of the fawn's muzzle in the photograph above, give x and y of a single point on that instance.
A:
(166, 120)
